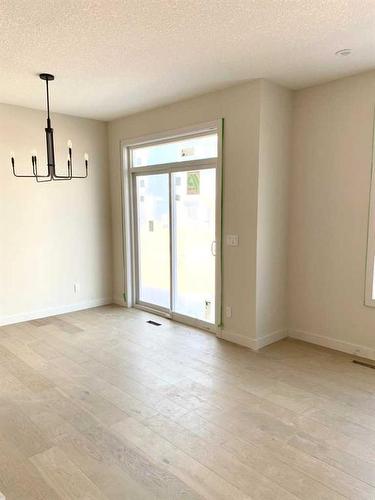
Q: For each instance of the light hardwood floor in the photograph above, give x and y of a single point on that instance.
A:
(99, 404)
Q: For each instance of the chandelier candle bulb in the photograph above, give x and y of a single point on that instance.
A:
(70, 145)
(86, 157)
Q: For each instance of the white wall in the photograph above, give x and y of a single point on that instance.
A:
(272, 225)
(330, 182)
(53, 234)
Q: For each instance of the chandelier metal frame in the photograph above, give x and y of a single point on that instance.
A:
(51, 174)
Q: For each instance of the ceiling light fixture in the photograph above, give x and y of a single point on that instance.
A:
(343, 52)
(51, 174)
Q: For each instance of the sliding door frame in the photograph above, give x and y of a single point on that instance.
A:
(129, 217)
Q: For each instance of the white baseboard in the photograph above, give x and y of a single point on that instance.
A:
(237, 339)
(271, 338)
(53, 311)
(337, 345)
(251, 343)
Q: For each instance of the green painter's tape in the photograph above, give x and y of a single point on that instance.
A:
(222, 216)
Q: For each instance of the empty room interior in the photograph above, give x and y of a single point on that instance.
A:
(187, 249)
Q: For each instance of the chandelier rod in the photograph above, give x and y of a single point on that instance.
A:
(48, 118)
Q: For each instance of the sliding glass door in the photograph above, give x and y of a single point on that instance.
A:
(176, 227)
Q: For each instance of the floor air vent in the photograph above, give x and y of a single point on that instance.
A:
(367, 365)
(153, 323)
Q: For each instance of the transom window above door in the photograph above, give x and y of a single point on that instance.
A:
(197, 147)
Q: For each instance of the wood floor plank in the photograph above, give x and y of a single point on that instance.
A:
(22, 481)
(17, 429)
(206, 482)
(276, 437)
(215, 458)
(260, 459)
(61, 474)
(151, 474)
(114, 481)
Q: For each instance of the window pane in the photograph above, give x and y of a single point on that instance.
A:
(194, 204)
(192, 148)
(153, 239)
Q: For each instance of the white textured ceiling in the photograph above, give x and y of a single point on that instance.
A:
(113, 57)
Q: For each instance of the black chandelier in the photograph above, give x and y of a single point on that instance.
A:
(51, 174)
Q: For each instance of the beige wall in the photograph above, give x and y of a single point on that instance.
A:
(272, 225)
(330, 183)
(53, 234)
(239, 106)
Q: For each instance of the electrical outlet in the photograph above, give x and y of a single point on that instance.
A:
(228, 311)
(232, 240)
(76, 287)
